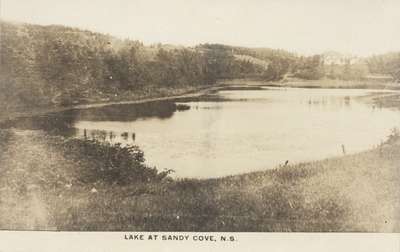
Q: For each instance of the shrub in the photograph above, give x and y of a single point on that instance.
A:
(105, 163)
(394, 136)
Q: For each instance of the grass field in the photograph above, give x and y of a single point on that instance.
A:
(52, 183)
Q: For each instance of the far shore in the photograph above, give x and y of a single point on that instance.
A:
(200, 91)
(186, 93)
(323, 83)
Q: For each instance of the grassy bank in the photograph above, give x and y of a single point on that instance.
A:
(54, 183)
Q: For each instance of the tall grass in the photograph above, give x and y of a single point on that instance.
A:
(90, 185)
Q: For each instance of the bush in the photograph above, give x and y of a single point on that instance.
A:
(394, 136)
(111, 164)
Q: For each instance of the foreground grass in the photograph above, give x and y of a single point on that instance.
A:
(52, 183)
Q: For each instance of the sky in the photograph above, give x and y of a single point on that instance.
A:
(360, 27)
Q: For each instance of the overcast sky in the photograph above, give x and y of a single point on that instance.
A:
(360, 27)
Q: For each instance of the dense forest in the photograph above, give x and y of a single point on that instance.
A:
(57, 65)
(42, 65)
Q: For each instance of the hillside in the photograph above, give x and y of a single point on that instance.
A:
(47, 66)
(54, 65)
(262, 63)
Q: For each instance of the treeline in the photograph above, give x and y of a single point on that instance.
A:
(48, 65)
(385, 64)
(45, 65)
(309, 68)
(348, 68)
(278, 63)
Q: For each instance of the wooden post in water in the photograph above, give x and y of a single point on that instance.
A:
(125, 135)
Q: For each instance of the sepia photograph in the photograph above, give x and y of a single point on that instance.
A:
(200, 116)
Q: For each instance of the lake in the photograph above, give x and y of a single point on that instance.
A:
(233, 131)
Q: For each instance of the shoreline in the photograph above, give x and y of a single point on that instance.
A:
(55, 109)
(355, 192)
(323, 83)
(245, 84)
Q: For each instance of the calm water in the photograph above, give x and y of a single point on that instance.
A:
(233, 132)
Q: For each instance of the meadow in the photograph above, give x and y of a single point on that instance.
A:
(53, 183)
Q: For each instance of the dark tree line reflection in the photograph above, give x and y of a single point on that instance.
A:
(62, 123)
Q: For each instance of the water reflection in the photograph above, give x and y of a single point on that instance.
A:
(62, 123)
(104, 135)
(330, 101)
(233, 131)
(247, 130)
